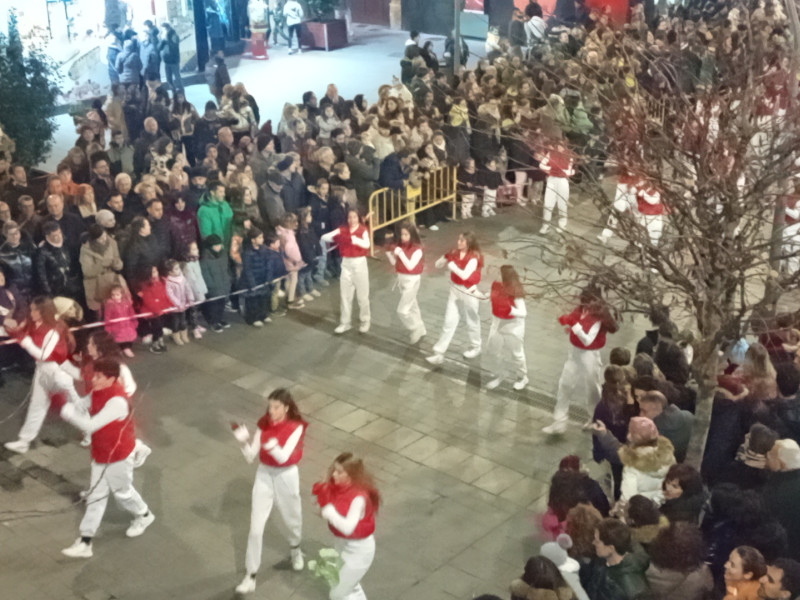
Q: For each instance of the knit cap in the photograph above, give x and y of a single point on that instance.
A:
(105, 218)
(557, 551)
(643, 429)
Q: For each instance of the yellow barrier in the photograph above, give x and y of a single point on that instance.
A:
(388, 206)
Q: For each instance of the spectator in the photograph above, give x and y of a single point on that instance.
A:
(215, 216)
(128, 64)
(540, 577)
(56, 272)
(170, 50)
(672, 422)
(159, 229)
(143, 251)
(676, 566)
(617, 573)
(782, 580)
(71, 226)
(684, 495)
(101, 266)
(216, 274)
(744, 569)
(567, 566)
(782, 489)
(17, 253)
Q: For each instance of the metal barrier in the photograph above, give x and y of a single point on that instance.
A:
(388, 206)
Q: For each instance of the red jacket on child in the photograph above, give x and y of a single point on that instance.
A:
(154, 297)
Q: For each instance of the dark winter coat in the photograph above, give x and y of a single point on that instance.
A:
(56, 273)
(676, 425)
(667, 583)
(271, 205)
(308, 242)
(129, 64)
(624, 581)
(160, 233)
(780, 495)
(684, 508)
(151, 59)
(392, 173)
(216, 274)
(73, 228)
(141, 255)
(256, 269)
(20, 260)
(170, 48)
(319, 214)
(183, 230)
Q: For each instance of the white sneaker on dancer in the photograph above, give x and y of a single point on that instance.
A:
(556, 428)
(545, 228)
(471, 353)
(79, 549)
(248, 585)
(363, 328)
(417, 335)
(342, 329)
(18, 446)
(297, 559)
(435, 359)
(140, 523)
(520, 385)
(493, 384)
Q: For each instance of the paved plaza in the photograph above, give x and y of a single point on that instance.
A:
(463, 471)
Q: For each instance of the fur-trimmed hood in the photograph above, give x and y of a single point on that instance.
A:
(649, 458)
(520, 589)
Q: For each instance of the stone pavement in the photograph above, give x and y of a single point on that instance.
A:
(463, 471)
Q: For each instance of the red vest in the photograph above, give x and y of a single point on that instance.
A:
(501, 301)
(60, 352)
(341, 498)
(559, 163)
(281, 431)
(473, 279)
(627, 178)
(115, 441)
(586, 320)
(408, 250)
(791, 202)
(645, 207)
(346, 246)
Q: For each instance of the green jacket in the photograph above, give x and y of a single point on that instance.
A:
(215, 218)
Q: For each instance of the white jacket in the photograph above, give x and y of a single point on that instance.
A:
(293, 12)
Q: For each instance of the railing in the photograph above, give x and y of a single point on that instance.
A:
(388, 206)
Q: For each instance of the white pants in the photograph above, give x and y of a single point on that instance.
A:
(48, 378)
(459, 303)
(654, 225)
(354, 281)
(489, 205)
(556, 194)
(579, 382)
(520, 177)
(624, 201)
(791, 245)
(467, 201)
(408, 307)
(110, 478)
(505, 348)
(281, 486)
(357, 556)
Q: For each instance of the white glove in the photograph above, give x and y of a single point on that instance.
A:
(271, 443)
(398, 250)
(241, 434)
(68, 411)
(440, 262)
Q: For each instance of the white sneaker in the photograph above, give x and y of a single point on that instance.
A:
(86, 441)
(281, 294)
(147, 339)
(493, 384)
(297, 559)
(139, 524)
(308, 297)
(140, 453)
(433, 228)
(562, 223)
(248, 585)
(363, 328)
(520, 385)
(342, 329)
(544, 229)
(258, 323)
(435, 359)
(472, 353)
(417, 335)
(556, 428)
(18, 446)
(78, 550)
(604, 236)
(316, 293)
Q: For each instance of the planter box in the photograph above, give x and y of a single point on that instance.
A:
(326, 35)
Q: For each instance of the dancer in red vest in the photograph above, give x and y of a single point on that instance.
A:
(49, 341)
(353, 242)
(107, 417)
(587, 326)
(651, 212)
(465, 264)
(407, 261)
(558, 165)
(349, 501)
(791, 230)
(625, 201)
(505, 346)
(279, 445)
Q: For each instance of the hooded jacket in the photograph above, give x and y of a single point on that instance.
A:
(101, 266)
(644, 469)
(623, 581)
(522, 591)
(128, 64)
(215, 218)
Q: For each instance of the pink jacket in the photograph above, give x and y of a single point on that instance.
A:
(292, 258)
(179, 291)
(122, 331)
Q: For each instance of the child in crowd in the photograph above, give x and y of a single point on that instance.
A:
(120, 306)
(292, 258)
(194, 275)
(318, 203)
(217, 277)
(337, 217)
(277, 270)
(467, 186)
(182, 297)
(255, 278)
(490, 180)
(311, 252)
(153, 294)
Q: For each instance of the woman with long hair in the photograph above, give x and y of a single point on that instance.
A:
(758, 374)
(279, 445)
(353, 242)
(49, 341)
(587, 326)
(505, 346)
(349, 502)
(540, 577)
(465, 264)
(407, 259)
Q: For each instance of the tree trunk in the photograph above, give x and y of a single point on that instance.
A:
(705, 367)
